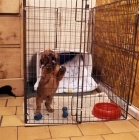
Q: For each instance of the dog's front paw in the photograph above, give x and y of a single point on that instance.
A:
(62, 69)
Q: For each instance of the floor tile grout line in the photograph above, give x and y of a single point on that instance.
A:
(50, 131)
(17, 132)
(133, 136)
(80, 130)
(89, 135)
(133, 124)
(6, 103)
(119, 133)
(15, 110)
(102, 136)
(109, 128)
(1, 120)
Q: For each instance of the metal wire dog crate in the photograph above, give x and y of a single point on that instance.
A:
(97, 47)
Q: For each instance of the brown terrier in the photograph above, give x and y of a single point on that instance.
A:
(51, 74)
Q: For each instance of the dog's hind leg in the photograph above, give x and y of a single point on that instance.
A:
(39, 100)
(48, 103)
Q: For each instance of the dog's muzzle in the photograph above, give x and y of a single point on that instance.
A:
(54, 62)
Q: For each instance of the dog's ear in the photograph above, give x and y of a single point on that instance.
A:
(41, 60)
(41, 63)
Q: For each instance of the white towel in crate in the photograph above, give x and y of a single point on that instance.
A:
(77, 77)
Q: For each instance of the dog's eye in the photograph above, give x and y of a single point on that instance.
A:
(50, 54)
(45, 56)
(53, 58)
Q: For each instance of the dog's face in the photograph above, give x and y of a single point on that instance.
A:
(49, 57)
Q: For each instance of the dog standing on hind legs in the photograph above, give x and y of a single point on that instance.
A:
(51, 74)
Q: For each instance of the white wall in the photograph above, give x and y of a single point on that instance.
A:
(58, 3)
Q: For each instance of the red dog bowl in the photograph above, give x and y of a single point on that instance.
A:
(108, 111)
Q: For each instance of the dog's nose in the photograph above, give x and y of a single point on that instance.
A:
(53, 62)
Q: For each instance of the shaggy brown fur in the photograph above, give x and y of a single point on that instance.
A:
(51, 74)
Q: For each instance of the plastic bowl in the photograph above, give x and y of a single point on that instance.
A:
(107, 111)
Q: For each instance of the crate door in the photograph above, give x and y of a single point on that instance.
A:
(72, 31)
(62, 24)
